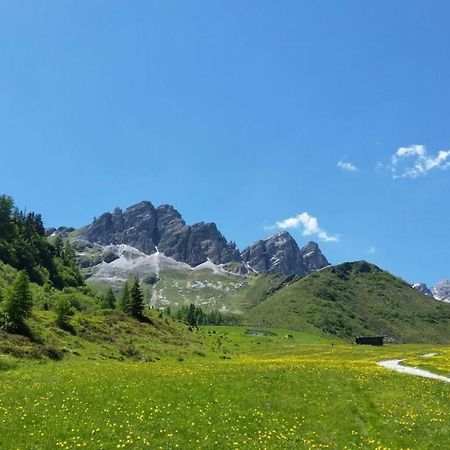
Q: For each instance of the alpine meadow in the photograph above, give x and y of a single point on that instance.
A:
(223, 226)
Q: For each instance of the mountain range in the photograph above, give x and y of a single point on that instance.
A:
(272, 282)
(143, 230)
(144, 239)
(441, 291)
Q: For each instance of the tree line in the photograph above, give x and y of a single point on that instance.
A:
(195, 316)
(23, 245)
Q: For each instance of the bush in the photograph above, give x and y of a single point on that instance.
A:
(64, 312)
(5, 323)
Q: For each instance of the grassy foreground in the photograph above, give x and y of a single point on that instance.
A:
(300, 393)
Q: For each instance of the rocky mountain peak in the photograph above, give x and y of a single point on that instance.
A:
(149, 229)
(441, 291)
(280, 253)
(313, 257)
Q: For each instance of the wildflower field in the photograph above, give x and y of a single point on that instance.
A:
(260, 392)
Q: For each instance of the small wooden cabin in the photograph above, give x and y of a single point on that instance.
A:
(370, 340)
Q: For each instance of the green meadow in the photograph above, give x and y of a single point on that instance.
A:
(228, 390)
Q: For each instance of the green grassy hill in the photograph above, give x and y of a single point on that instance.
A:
(94, 333)
(348, 300)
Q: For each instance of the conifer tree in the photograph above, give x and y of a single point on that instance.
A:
(125, 299)
(109, 299)
(190, 317)
(137, 299)
(19, 301)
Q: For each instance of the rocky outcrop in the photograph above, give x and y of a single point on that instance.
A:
(134, 227)
(63, 232)
(280, 254)
(150, 229)
(313, 258)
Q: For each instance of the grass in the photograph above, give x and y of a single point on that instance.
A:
(200, 287)
(354, 299)
(438, 363)
(120, 383)
(237, 392)
(346, 300)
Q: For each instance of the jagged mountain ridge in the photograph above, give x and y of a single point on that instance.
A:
(149, 229)
(280, 254)
(161, 230)
(441, 291)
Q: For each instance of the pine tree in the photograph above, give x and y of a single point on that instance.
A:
(125, 299)
(137, 299)
(59, 246)
(190, 318)
(109, 299)
(19, 301)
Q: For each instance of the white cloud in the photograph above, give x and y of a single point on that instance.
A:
(372, 250)
(347, 166)
(414, 161)
(309, 226)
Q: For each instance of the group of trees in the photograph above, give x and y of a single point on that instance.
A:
(132, 299)
(23, 245)
(16, 302)
(54, 265)
(194, 316)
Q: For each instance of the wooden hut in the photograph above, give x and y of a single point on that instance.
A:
(370, 340)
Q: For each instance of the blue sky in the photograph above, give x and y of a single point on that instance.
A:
(238, 113)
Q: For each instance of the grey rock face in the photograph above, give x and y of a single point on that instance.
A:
(162, 229)
(133, 227)
(423, 289)
(281, 254)
(442, 291)
(313, 257)
(64, 232)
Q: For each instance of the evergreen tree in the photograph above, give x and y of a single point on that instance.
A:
(109, 299)
(137, 299)
(19, 300)
(125, 299)
(191, 316)
(59, 246)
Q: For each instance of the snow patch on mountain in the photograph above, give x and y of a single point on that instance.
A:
(132, 261)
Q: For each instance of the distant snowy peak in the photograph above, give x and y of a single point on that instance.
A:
(423, 289)
(442, 291)
(280, 253)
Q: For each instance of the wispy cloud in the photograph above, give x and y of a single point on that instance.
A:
(415, 161)
(372, 250)
(347, 166)
(308, 224)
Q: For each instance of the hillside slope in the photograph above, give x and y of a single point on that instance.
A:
(354, 299)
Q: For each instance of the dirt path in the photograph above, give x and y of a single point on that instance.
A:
(395, 364)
